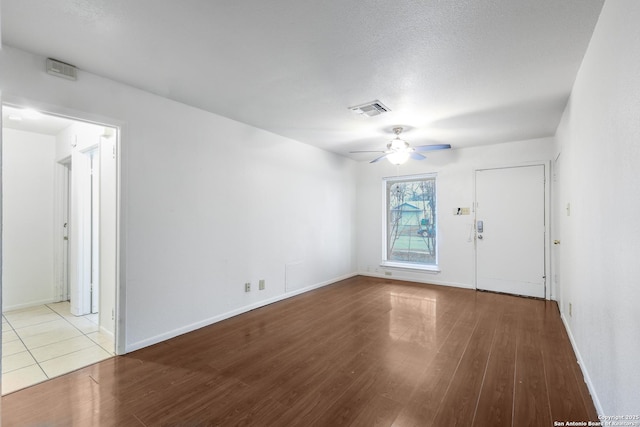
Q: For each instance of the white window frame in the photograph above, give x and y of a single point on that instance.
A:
(386, 262)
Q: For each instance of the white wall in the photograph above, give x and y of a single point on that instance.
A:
(27, 171)
(207, 203)
(455, 169)
(598, 141)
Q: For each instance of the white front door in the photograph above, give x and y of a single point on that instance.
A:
(510, 230)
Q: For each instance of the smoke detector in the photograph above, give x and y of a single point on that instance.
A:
(61, 69)
(370, 109)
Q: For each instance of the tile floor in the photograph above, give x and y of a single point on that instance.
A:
(43, 342)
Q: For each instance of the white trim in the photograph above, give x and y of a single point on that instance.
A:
(546, 164)
(215, 319)
(583, 367)
(56, 110)
(61, 216)
(385, 222)
(29, 304)
(410, 266)
(413, 177)
(108, 333)
(548, 284)
(80, 220)
(428, 281)
(121, 194)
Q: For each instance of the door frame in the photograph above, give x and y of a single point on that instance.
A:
(557, 217)
(549, 289)
(121, 131)
(61, 215)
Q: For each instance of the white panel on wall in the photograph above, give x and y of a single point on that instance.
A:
(597, 141)
(28, 201)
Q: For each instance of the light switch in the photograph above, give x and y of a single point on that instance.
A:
(461, 211)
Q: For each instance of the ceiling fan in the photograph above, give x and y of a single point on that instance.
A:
(399, 151)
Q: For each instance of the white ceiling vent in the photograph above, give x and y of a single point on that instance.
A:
(61, 69)
(370, 109)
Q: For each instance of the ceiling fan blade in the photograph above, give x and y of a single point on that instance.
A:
(377, 151)
(379, 158)
(416, 156)
(432, 147)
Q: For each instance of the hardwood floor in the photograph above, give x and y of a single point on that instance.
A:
(362, 352)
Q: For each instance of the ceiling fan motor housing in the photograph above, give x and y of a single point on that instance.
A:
(398, 145)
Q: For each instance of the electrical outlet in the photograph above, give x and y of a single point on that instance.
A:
(247, 287)
(388, 273)
(261, 285)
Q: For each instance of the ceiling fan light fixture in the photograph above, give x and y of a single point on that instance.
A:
(399, 151)
(398, 157)
(398, 144)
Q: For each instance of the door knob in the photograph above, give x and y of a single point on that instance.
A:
(556, 242)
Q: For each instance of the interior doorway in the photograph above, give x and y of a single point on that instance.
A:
(59, 201)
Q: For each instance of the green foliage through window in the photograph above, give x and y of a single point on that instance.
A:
(411, 220)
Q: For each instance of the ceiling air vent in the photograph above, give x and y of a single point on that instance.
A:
(370, 109)
(61, 69)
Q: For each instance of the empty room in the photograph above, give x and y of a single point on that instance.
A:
(286, 213)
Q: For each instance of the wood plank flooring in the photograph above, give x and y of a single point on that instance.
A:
(361, 352)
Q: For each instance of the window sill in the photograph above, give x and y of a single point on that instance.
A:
(408, 266)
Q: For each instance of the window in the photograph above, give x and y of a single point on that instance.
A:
(411, 223)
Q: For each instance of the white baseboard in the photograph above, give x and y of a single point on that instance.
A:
(583, 368)
(429, 280)
(27, 305)
(107, 332)
(215, 319)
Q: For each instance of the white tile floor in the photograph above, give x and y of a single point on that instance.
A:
(43, 342)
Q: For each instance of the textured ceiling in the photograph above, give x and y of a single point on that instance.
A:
(464, 72)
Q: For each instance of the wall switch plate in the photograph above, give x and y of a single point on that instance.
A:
(261, 285)
(247, 287)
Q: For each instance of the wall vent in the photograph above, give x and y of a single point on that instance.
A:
(61, 69)
(370, 109)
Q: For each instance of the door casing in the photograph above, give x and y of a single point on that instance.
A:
(546, 242)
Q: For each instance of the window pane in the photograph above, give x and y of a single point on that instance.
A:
(411, 221)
